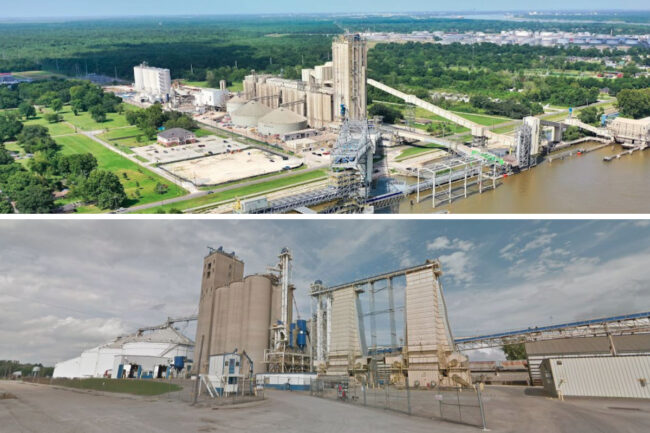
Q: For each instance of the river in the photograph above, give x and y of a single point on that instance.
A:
(577, 184)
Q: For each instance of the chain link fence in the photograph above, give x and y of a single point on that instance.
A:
(459, 405)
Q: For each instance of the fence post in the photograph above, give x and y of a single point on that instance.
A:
(197, 384)
(480, 405)
(460, 413)
(363, 388)
(387, 396)
(408, 396)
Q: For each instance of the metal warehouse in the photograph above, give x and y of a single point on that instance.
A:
(163, 346)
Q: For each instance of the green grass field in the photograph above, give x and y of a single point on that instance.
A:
(483, 119)
(133, 177)
(125, 386)
(55, 129)
(412, 151)
(239, 192)
(85, 122)
(126, 137)
(203, 84)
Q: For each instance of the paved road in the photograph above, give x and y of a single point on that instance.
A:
(40, 408)
(527, 409)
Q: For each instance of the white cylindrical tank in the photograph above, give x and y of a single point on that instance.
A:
(249, 115)
(280, 121)
(235, 103)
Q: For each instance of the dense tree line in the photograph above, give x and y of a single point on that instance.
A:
(634, 103)
(188, 47)
(491, 71)
(150, 119)
(7, 367)
(49, 171)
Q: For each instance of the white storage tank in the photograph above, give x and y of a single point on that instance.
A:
(280, 121)
(249, 114)
(597, 376)
(235, 103)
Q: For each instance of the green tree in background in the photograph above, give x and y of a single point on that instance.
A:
(26, 110)
(104, 188)
(514, 352)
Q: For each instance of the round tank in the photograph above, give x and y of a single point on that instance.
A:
(248, 115)
(281, 121)
(234, 104)
(257, 321)
(301, 339)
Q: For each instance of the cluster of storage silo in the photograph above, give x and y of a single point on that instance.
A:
(249, 114)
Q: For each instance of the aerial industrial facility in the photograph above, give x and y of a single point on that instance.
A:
(320, 121)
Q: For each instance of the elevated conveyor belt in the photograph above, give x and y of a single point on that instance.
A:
(615, 325)
(476, 129)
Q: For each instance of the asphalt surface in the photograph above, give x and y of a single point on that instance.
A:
(41, 408)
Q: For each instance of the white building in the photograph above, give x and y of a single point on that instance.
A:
(163, 344)
(153, 82)
(211, 98)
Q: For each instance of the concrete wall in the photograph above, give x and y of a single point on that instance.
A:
(344, 344)
(349, 54)
(426, 333)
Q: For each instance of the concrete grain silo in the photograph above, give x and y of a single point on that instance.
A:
(251, 314)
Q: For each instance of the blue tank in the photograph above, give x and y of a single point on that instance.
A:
(301, 339)
(292, 328)
(179, 362)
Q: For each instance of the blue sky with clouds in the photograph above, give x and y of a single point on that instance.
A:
(49, 8)
(68, 285)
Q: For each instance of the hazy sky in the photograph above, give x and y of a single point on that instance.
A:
(66, 286)
(47, 8)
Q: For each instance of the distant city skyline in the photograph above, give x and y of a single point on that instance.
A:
(81, 8)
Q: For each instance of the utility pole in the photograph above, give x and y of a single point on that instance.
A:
(197, 384)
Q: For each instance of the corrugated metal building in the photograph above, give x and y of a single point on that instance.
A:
(616, 376)
(165, 343)
(624, 345)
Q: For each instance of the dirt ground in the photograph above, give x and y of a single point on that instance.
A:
(41, 408)
(213, 170)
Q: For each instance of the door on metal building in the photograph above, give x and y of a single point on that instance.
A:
(231, 366)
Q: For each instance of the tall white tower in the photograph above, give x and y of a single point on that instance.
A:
(349, 64)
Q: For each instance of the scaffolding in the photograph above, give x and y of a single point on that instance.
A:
(353, 154)
(287, 361)
(456, 169)
(523, 141)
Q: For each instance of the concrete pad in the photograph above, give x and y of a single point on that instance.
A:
(213, 170)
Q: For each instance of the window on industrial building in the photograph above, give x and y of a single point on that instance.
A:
(208, 276)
